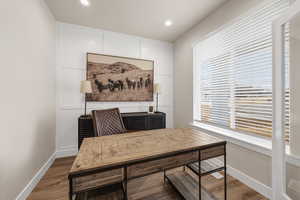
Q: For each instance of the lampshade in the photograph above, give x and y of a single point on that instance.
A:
(156, 88)
(86, 87)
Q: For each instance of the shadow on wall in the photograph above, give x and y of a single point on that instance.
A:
(29, 149)
(293, 183)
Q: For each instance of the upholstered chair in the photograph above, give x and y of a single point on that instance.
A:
(108, 122)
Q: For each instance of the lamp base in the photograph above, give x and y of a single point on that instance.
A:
(85, 116)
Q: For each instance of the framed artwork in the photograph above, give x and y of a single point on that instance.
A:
(117, 78)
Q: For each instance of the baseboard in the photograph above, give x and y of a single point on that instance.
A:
(67, 151)
(251, 182)
(247, 180)
(35, 180)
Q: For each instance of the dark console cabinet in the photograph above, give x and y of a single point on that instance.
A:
(85, 128)
(144, 121)
(132, 121)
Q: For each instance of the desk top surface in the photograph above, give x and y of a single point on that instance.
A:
(116, 150)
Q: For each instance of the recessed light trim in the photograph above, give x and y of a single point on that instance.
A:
(85, 3)
(168, 23)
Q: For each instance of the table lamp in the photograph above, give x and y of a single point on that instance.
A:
(85, 88)
(156, 91)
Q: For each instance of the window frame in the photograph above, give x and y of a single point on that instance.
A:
(197, 77)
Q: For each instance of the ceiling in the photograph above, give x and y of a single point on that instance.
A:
(137, 17)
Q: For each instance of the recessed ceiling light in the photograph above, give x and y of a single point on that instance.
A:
(85, 3)
(168, 23)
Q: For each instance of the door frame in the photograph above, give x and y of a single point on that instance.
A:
(278, 140)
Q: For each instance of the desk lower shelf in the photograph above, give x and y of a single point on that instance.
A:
(207, 168)
(187, 186)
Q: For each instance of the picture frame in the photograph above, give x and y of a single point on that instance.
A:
(119, 79)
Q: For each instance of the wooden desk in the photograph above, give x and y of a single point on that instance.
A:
(107, 160)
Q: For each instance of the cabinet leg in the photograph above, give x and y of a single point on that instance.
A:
(70, 189)
(125, 184)
(199, 174)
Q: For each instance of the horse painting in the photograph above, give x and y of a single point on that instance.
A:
(119, 78)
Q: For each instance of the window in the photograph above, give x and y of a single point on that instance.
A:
(233, 73)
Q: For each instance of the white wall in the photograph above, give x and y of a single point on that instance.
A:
(293, 173)
(295, 92)
(27, 85)
(73, 44)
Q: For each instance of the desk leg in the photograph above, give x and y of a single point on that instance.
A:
(125, 180)
(199, 173)
(225, 174)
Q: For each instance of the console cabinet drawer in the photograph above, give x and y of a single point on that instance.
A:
(149, 167)
(96, 180)
(212, 152)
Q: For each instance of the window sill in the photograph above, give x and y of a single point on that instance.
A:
(254, 143)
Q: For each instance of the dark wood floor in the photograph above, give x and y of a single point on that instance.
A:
(54, 185)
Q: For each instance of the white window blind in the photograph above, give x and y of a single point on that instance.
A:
(233, 73)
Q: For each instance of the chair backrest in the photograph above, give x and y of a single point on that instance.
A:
(108, 122)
